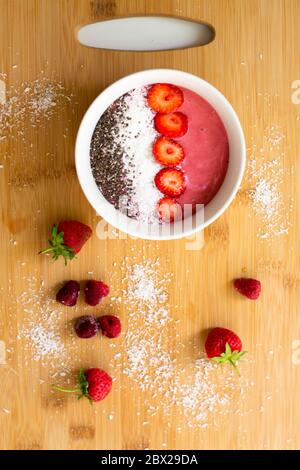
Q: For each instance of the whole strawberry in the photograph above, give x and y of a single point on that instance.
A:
(67, 239)
(94, 384)
(68, 294)
(99, 384)
(248, 287)
(224, 346)
(95, 291)
(110, 326)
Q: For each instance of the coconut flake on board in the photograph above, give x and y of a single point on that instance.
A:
(46, 337)
(172, 374)
(265, 175)
(153, 355)
(33, 102)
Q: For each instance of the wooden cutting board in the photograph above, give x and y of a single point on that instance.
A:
(254, 61)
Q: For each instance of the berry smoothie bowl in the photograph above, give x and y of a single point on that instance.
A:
(160, 154)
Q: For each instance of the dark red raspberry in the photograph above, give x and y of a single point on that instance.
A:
(68, 294)
(86, 326)
(95, 291)
(250, 288)
(110, 326)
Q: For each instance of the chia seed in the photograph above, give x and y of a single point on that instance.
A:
(121, 156)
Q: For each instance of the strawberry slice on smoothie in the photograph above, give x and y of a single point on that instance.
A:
(164, 98)
(167, 152)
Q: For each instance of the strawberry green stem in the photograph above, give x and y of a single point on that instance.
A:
(66, 390)
(81, 388)
(235, 367)
(57, 246)
(47, 250)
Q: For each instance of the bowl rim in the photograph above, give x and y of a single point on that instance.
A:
(100, 104)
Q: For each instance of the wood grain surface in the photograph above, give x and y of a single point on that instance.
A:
(253, 60)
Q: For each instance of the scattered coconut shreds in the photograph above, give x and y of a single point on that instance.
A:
(30, 105)
(46, 336)
(45, 342)
(139, 164)
(170, 372)
(265, 175)
(161, 365)
(41, 327)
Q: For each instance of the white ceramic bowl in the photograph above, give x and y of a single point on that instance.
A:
(195, 222)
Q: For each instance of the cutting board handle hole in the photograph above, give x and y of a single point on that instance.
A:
(145, 33)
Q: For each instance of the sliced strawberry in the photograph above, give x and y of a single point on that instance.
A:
(168, 152)
(164, 98)
(170, 181)
(169, 210)
(172, 124)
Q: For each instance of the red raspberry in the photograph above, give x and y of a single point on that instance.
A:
(250, 288)
(110, 326)
(68, 294)
(95, 291)
(86, 326)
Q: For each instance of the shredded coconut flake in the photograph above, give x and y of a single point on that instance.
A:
(266, 175)
(44, 333)
(154, 357)
(121, 156)
(136, 135)
(32, 102)
(45, 342)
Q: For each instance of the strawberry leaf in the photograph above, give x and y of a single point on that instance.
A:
(57, 246)
(84, 385)
(229, 356)
(217, 359)
(81, 387)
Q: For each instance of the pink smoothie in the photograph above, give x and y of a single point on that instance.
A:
(206, 150)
